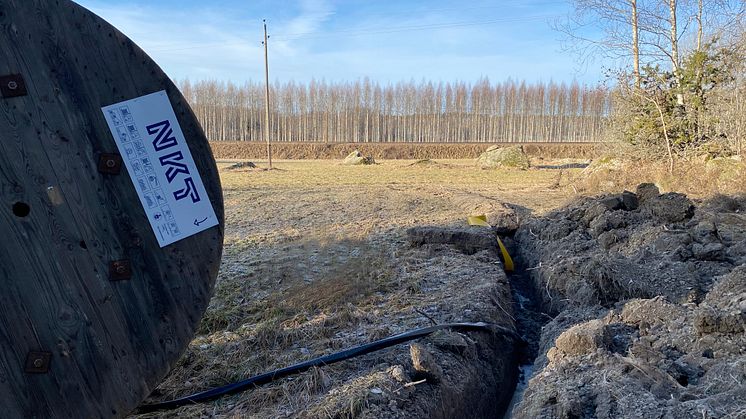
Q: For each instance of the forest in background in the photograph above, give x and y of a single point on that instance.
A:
(679, 87)
(424, 112)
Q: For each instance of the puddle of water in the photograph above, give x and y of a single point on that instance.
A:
(524, 375)
(522, 301)
(529, 320)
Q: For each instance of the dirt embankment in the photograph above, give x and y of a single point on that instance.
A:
(648, 298)
(239, 150)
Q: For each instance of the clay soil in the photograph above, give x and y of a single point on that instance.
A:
(317, 259)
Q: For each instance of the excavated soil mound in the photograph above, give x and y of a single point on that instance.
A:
(241, 165)
(648, 297)
(599, 251)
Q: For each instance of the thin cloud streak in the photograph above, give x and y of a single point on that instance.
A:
(323, 40)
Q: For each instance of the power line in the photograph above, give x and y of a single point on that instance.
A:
(266, 102)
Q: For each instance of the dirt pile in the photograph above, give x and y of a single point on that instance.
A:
(649, 358)
(467, 240)
(241, 165)
(648, 295)
(599, 251)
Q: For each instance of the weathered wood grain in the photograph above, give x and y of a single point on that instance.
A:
(111, 341)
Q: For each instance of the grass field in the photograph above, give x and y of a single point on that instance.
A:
(314, 262)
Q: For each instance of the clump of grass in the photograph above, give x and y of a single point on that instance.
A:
(696, 178)
(349, 400)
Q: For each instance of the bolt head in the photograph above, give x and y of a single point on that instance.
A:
(37, 362)
(110, 164)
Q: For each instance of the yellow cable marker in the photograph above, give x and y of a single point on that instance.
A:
(478, 220)
(481, 220)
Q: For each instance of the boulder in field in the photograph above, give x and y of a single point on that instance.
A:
(357, 158)
(496, 156)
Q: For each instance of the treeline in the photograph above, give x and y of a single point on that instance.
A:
(425, 112)
(684, 91)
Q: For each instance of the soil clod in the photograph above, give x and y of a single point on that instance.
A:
(649, 303)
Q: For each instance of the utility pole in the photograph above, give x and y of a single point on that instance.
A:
(266, 101)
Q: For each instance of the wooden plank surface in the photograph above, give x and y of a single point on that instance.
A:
(111, 341)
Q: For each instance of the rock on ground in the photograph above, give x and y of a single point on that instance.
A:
(241, 165)
(496, 156)
(357, 158)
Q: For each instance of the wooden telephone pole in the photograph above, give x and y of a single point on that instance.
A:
(266, 101)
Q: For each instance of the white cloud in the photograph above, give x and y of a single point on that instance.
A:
(313, 14)
(203, 42)
(208, 43)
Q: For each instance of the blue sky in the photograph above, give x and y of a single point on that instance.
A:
(339, 40)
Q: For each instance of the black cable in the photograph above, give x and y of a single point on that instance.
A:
(367, 348)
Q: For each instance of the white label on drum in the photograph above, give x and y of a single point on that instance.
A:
(162, 169)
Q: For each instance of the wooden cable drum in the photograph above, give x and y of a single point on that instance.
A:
(111, 216)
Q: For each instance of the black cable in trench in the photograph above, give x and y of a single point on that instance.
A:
(367, 348)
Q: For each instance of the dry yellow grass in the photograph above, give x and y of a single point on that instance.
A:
(312, 264)
(459, 174)
(695, 177)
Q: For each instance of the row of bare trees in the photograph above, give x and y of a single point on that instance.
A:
(650, 32)
(365, 111)
(685, 91)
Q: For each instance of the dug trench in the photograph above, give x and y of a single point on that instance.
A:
(526, 314)
(627, 305)
(632, 305)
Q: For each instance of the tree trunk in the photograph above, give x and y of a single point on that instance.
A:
(674, 37)
(700, 30)
(636, 44)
